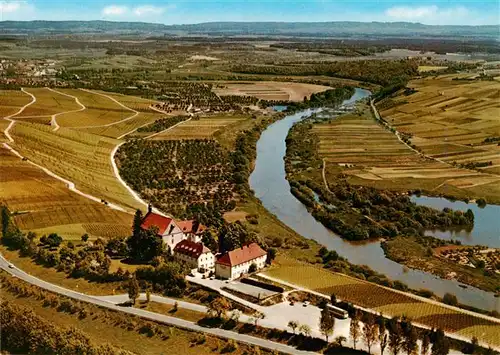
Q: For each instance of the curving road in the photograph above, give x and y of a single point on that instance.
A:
(107, 302)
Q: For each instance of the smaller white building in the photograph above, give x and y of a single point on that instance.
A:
(236, 263)
(196, 255)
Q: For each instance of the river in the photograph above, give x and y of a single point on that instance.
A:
(486, 230)
(268, 180)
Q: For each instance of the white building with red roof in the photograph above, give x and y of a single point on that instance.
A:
(168, 229)
(196, 255)
(192, 229)
(236, 263)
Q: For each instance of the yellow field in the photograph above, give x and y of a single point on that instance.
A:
(47, 202)
(426, 68)
(11, 101)
(386, 301)
(269, 90)
(200, 127)
(134, 102)
(123, 128)
(47, 103)
(80, 157)
(99, 111)
(449, 119)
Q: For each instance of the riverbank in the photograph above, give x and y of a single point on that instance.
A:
(417, 253)
(269, 183)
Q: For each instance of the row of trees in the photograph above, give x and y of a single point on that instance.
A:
(382, 72)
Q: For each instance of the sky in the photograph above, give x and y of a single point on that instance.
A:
(433, 12)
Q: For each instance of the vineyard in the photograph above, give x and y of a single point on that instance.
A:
(82, 158)
(47, 103)
(201, 127)
(99, 111)
(175, 174)
(11, 101)
(46, 202)
(385, 301)
(455, 121)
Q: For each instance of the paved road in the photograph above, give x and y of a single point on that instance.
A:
(180, 323)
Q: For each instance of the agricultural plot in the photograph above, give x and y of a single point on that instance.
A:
(385, 301)
(47, 103)
(80, 157)
(122, 129)
(46, 204)
(199, 128)
(11, 101)
(372, 155)
(99, 111)
(268, 90)
(449, 119)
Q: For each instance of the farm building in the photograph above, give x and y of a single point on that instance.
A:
(192, 229)
(196, 255)
(237, 262)
(168, 229)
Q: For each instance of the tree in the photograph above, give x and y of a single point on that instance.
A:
(145, 245)
(441, 345)
(252, 268)
(354, 328)
(271, 255)
(5, 221)
(235, 315)
(85, 237)
(293, 324)
(258, 316)
(410, 339)
(382, 335)
(395, 336)
(450, 299)
(133, 289)
(218, 307)
(340, 340)
(333, 299)
(53, 240)
(137, 223)
(370, 331)
(326, 323)
(305, 329)
(426, 342)
(148, 295)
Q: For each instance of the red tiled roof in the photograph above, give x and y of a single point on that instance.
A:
(241, 255)
(191, 226)
(153, 219)
(190, 248)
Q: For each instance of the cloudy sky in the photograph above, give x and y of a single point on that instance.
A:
(442, 12)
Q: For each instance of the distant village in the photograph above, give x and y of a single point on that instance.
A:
(474, 257)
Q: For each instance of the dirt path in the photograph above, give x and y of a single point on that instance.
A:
(175, 125)
(135, 113)
(323, 172)
(9, 118)
(53, 121)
